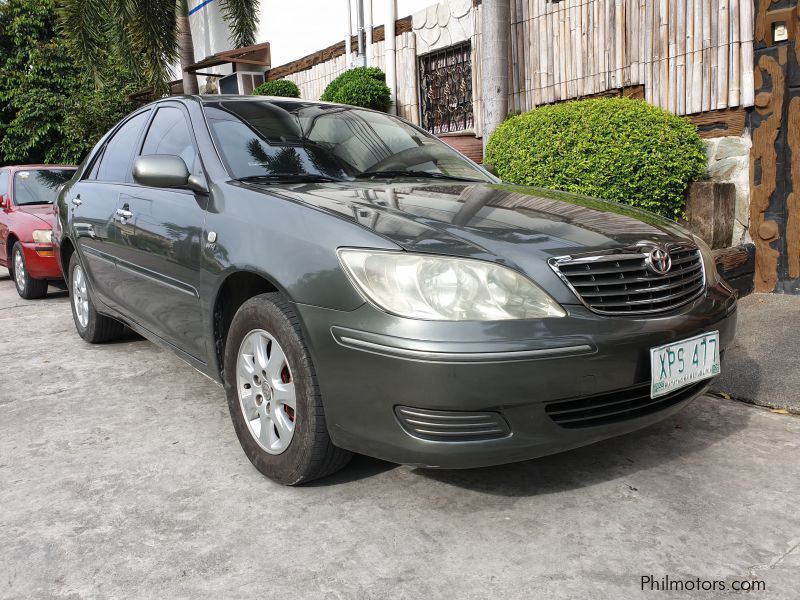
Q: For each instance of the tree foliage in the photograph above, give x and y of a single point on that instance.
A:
(146, 32)
(617, 149)
(279, 87)
(50, 109)
(362, 86)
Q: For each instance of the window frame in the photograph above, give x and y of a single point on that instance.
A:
(192, 138)
(90, 172)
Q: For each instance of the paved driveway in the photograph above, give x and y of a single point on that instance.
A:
(121, 476)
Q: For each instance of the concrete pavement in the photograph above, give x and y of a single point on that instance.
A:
(763, 365)
(121, 477)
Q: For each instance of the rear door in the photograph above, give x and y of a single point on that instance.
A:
(94, 201)
(160, 241)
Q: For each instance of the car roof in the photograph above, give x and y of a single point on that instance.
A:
(39, 167)
(211, 98)
(205, 98)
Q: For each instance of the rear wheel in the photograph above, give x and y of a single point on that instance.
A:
(27, 287)
(273, 396)
(91, 325)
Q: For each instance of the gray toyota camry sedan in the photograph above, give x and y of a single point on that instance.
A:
(356, 285)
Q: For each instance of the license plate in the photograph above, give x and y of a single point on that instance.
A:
(683, 363)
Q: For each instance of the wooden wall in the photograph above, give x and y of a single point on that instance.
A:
(314, 72)
(313, 81)
(775, 154)
(691, 55)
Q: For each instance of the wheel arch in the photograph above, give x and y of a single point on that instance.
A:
(12, 239)
(236, 288)
(65, 251)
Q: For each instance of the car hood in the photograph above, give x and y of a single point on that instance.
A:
(43, 212)
(503, 223)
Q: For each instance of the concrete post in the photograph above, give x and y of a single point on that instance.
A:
(494, 64)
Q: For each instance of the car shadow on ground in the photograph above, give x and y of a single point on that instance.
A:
(687, 432)
(57, 293)
(360, 467)
(741, 375)
(129, 335)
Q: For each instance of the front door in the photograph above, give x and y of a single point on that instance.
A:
(160, 247)
(775, 155)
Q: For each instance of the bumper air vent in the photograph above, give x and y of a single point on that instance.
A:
(451, 426)
(615, 407)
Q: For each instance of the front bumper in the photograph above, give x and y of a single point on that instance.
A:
(41, 261)
(370, 363)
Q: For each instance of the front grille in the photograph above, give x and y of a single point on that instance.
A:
(615, 406)
(451, 426)
(622, 283)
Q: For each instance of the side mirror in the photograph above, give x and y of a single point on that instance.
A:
(166, 171)
(161, 171)
(5, 202)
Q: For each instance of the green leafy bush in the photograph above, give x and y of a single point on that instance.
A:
(362, 86)
(280, 87)
(617, 149)
(51, 108)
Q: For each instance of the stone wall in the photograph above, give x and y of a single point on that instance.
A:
(729, 161)
(442, 25)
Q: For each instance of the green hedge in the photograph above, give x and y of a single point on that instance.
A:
(280, 87)
(362, 86)
(618, 149)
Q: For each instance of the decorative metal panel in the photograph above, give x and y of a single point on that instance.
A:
(446, 89)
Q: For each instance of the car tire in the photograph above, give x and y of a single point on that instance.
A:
(91, 325)
(27, 287)
(289, 444)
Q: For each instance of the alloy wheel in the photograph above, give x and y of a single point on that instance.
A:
(80, 296)
(266, 391)
(19, 270)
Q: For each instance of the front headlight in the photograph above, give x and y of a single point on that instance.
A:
(709, 264)
(43, 236)
(421, 286)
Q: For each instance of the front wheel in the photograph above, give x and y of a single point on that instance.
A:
(273, 396)
(27, 287)
(91, 325)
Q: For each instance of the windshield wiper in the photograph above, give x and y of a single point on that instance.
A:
(288, 178)
(402, 173)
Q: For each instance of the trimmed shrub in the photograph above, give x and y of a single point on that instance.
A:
(280, 87)
(362, 86)
(617, 149)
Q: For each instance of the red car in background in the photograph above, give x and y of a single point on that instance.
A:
(27, 194)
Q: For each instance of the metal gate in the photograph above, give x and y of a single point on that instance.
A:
(775, 156)
(445, 89)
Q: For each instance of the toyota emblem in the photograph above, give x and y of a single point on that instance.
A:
(659, 261)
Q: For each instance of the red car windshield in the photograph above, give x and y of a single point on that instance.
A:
(39, 186)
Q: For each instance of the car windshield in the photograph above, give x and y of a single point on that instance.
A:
(39, 186)
(304, 141)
